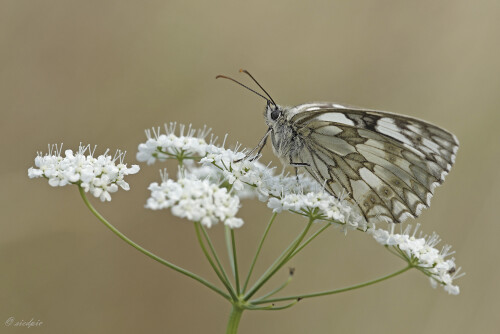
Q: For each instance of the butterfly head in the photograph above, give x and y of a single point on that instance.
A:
(273, 113)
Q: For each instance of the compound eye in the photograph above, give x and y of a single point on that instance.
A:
(275, 114)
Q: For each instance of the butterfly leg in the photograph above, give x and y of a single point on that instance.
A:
(296, 165)
(260, 146)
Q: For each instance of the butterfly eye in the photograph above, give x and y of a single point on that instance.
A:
(275, 114)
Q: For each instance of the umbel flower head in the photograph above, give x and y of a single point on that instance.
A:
(196, 200)
(100, 175)
(162, 146)
(419, 250)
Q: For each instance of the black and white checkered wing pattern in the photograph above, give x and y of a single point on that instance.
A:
(388, 165)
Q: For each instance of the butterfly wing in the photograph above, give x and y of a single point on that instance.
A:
(387, 164)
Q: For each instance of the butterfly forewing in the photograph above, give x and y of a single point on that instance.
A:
(388, 165)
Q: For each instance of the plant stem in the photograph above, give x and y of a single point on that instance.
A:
(331, 292)
(234, 319)
(236, 274)
(273, 217)
(214, 253)
(280, 262)
(223, 278)
(276, 290)
(229, 247)
(311, 238)
(148, 253)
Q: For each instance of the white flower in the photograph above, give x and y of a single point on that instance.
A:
(420, 253)
(234, 222)
(189, 144)
(196, 200)
(101, 176)
(321, 205)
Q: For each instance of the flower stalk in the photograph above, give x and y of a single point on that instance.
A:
(332, 292)
(259, 248)
(234, 319)
(148, 253)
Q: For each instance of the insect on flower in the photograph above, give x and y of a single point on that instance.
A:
(387, 165)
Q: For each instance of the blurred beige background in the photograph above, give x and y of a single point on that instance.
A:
(101, 72)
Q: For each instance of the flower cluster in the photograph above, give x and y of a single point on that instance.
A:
(321, 206)
(197, 200)
(242, 173)
(101, 176)
(188, 144)
(420, 252)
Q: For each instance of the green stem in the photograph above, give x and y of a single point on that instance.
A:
(398, 254)
(273, 307)
(217, 272)
(148, 253)
(271, 221)
(234, 320)
(229, 247)
(214, 253)
(311, 238)
(236, 274)
(331, 292)
(276, 290)
(280, 262)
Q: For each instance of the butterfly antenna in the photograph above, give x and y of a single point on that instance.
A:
(239, 83)
(258, 84)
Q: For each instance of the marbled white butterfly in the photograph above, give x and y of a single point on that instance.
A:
(387, 165)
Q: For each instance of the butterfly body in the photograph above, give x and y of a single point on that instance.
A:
(387, 165)
(287, 139)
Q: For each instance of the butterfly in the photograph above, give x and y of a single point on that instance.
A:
(387, 165)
